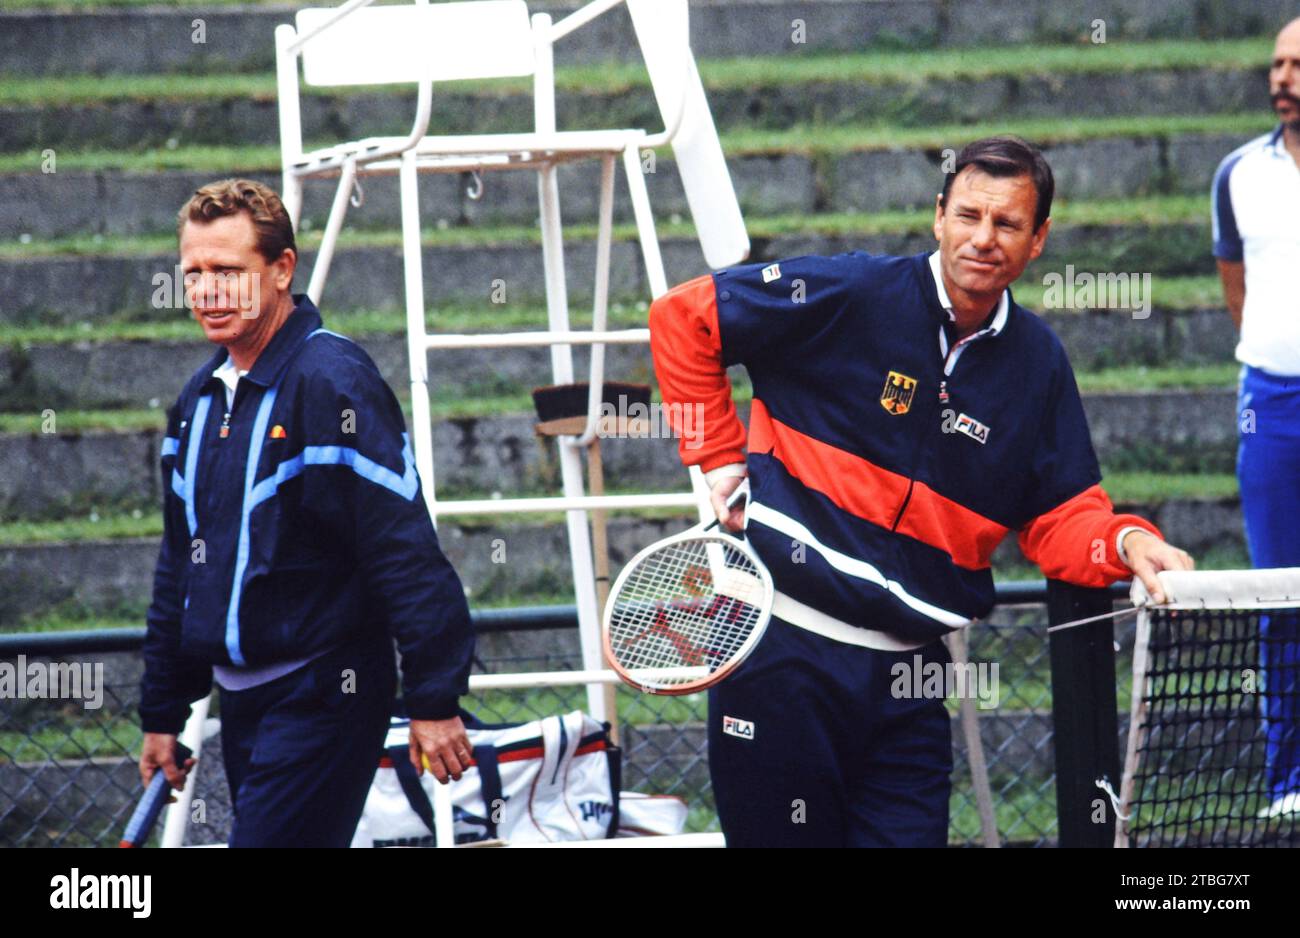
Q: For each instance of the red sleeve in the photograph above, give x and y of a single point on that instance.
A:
(687, 349)
(1075, 541)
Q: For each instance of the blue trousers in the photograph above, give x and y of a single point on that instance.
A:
(1268, 468)
(808, 747)
(301, 751)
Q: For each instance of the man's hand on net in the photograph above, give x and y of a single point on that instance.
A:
(445, 746)
(1148, 555)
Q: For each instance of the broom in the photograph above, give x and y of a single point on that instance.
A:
(562, 410)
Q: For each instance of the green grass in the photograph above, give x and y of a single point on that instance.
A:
(633, 708)
(82, 6)
(1150, 210)
(177, 326)
(61, 622)
(845, 138)
(1149, 488)
(910, 67)
(81, 421)
(1130, 487)
(1165, 378)
(830, 140)
(1217, 558)
(107, 526)
(73, 735)
(1167, 293)
(508, 401)
(105, 523)
(1022, 812)
(989, 61)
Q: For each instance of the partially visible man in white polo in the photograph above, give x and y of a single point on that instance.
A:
(1256, 215)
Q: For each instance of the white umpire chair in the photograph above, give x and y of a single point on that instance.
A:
(423, 43)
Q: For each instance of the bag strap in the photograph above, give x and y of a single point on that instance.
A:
(489, 777)
(614, 758)
(411, 787)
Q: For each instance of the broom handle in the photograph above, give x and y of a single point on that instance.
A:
(600, 551)
(979, 771)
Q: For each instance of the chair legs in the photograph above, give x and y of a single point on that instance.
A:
(579, 532)
(417, 351)
(645, 222)
(320, 271)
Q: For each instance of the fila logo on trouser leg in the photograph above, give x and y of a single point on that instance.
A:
(744, 729)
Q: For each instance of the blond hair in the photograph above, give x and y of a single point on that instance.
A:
(271, 223)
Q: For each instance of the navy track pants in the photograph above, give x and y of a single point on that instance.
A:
(300, 752)
(808, 747)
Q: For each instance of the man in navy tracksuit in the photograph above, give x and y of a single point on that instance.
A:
(297, 546)
(907, 416)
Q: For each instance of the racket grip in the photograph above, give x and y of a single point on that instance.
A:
(740, 495)
(151, 804)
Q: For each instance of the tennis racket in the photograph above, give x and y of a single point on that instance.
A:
(687, 610)
(152, 802)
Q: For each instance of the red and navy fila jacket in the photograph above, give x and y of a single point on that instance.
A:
(880, 484)
(297, 526)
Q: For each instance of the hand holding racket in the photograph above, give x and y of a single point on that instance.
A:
(155, 798)
(687, 610)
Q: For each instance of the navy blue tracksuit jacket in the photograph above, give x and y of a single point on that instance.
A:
(296, 527)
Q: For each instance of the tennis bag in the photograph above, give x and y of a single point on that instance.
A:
(548, 780)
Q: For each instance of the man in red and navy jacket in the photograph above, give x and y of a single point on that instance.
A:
(907, 416)
(297, 546)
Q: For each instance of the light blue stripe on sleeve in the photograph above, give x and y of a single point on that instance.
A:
(404, 486)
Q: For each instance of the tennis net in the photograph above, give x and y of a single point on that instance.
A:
(1213, 756)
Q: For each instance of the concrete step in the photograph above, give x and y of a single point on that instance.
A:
(59, 475)
(765, 102)
(495, 561)
(781, 181)
(46, 287)
(161, 39)
(145, 374)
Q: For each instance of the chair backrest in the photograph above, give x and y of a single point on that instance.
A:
(443, 41)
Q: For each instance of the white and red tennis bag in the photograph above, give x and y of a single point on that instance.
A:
(549, 780)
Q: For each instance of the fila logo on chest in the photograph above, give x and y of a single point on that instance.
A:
(966, 425)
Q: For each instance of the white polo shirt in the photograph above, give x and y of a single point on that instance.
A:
(1256, 216)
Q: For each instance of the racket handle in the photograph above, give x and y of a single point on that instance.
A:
(740, 495)
(151, 804)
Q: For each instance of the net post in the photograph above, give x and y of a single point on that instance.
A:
(1085, 717)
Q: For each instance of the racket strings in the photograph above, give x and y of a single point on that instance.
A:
(690, 604)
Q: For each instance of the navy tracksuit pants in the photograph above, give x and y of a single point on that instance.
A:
(1268, 469)
(808, 747)
(301, 751)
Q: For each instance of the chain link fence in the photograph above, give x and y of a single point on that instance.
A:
(68, 772)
